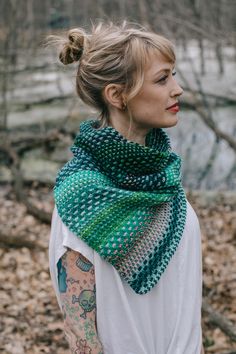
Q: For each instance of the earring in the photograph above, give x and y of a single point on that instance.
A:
(124, 106)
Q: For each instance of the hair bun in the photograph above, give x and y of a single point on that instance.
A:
(73, 49)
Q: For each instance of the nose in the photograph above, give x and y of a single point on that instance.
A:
(176, 89)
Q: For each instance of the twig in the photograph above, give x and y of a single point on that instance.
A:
(204, 111)
(219, 320)
(18, 185)
(19, 241)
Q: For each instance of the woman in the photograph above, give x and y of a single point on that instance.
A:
(125, 247)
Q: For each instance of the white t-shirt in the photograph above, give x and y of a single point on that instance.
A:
(166, 320)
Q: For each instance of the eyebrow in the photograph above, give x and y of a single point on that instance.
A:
(165, 70)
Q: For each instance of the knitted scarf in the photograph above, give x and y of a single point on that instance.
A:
(125, 200)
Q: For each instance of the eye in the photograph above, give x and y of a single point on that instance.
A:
(163, 79)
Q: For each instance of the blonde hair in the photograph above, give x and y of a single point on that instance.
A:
(111, 54)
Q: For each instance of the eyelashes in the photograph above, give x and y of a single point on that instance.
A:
(163, 79)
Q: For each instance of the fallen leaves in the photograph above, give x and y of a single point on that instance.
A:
(30, 319)
(218, 228)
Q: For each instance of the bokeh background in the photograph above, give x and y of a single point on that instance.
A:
(40, 116)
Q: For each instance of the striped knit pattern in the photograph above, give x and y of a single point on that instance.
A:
(124, 200)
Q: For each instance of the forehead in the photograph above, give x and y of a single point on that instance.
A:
(156, 62)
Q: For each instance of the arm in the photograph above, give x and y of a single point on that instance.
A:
(78, 297)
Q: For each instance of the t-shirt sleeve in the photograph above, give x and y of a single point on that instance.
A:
(72, 241)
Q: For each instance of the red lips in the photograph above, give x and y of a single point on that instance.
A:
(173, 105)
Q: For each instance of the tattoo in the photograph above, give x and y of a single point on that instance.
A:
(82, 347)
(83, 264)
(90, 332)
(87, 301)
(61, 277)
(79, 303)
(72, 281)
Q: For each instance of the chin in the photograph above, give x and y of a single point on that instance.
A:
(171, 122)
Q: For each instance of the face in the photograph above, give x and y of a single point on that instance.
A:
(159, 91)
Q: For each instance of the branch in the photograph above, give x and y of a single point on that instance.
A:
(18, 184)
(216, 37)
(220, 99)
(219, 320)
(204, 111)
(25, 140)
(47, 100)
(19, 241)
(212, 125)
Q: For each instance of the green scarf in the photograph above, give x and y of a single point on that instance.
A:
(125, 200)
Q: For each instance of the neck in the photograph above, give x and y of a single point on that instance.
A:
(121, 122)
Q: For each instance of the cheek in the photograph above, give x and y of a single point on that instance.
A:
(156, 98)
(162, 103)
(152, 99)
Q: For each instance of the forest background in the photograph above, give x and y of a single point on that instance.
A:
(39, 117)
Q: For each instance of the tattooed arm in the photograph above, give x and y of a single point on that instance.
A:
(76, 281)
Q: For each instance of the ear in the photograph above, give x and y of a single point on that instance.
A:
(113, 95)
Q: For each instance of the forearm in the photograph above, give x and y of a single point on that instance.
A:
(81, 336)
(78, 297)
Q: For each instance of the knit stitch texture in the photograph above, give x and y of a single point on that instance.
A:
(125, 200)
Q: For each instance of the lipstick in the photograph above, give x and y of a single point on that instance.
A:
(174, 108)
